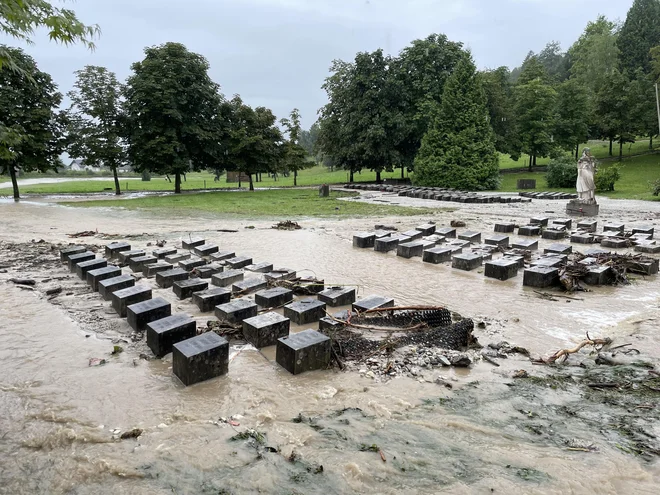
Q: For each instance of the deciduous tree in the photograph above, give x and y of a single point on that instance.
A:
(571, 116)
(294, 155)
(640, 32)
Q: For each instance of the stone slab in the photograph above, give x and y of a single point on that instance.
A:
(497, 240)
(223, 255)
(644, 230)
(249, 285)
(615, 243)
(236, 311)
(207, 271)
(281, 274)
(123, 298)
(501, 269)
(505, 228)
(337, 296)
(540, 277)
(227, 278)
(558, 249)
(305, 311)
(470, 236)
(614, 227)
(111, 285)
(386, 244)
(264, 330)
(139, 314)
(125, 256)
(588, 225)
(263, 267)
(413, 234)
(364, 240)
(163, 252)
(95, 276)
(85, 266)
(582, 238)
(191, 263)
(599, 275)
(649, 267)
(164, 333)
(200, 358)
(192, 242)
(208, 299)
(527, 244)
(541, 221)
(448, 232)
(648, 248)
(530, 230)
(239, 262)
(549, 262)
(167, 278)
(152, 269)
(373, 302)
(308, 350)
(70, 251)
(567, 223)
(74, 259)
(554, 235)
(410, 249)
(426, 229)
(185, 288)
(206, 249)
(466, 261)
(112, 249)
(138, 263)
(273, 298)
(175, 259)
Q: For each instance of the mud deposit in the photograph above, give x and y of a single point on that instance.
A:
(578, 427)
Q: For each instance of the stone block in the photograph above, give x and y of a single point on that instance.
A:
(192, 242)
(558, 249)
(264, 330)
(540, 276)
(502, 269)
(200, 358)
(541, 221)
(112, 249)
(373, 302)
(470, 236)
(435, 239)
(74, 259)
(250, 285)
(364, 240)
(588, 225)
(104, 273)
(526, 184)
(337, 296)
(305, 311)
(70, 251)
(527, 244)
(580, 208)
(109, 286)
(152, 269)
(139, 314)
(567, 223)
(281, 274)
(83, 267)
(264, 267)
(614, 227)
(410, 249)
(239, 262)
(206, 250)
(227, 278)
(599, 275)
(615, 243)
(185, 288)
(273, 298)
(123, 298)
(530, 230)
(308, 350)
(554, 235)
(448, 232)
(582, 238)
(386, 244)
(162, 252)
(125, 256)
(596, 252)
(497, 240)
(648, 248)
(641, 237)
(426, 229)
(207, 271)
(167, 278)
(223, 255)
(649, 267)
(644, 230)
(208, 299)
(191, 264)
(175, 259)
(549, 262)
(164, 333)
(382, 233)
(520, 260)
(413, 234)
(505, 228)
(437, 255)
(138, 263)
(236, 311)
(467, 261)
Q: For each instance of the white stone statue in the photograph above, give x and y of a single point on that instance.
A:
(586, 187)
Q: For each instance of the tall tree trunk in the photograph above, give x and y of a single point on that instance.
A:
(534, 164)
(577, 151)
(651, 141)
(351, 176)
(402, 170)
(611, 139)
(177, 183)
(378, 177)
(117, 188)
(251, 183)
(295, 177)
(14, 184)
(621, 149)
(529, 164)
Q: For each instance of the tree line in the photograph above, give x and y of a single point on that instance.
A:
(429, 110)
(168, 118)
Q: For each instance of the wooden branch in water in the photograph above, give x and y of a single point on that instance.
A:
(565, 352)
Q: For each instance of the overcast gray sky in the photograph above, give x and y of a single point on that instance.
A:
(276, 53)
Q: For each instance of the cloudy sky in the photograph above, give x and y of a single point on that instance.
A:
(276, 53)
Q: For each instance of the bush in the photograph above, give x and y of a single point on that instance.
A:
(655, 187)
(606, 177)
(562, 172)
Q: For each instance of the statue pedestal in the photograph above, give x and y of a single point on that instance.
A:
(582, 208)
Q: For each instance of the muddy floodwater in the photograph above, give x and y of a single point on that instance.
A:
(261, 430)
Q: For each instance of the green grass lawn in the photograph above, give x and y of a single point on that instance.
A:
(636, 174)
(276, 203)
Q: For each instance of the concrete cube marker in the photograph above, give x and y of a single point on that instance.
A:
(236, 311)
(123, 298)
(273, 298)
(109, 286)
(208, 299)
(200, 358)
(104, 273)
(185, 288)
(139, 314)
(227, 278)
(337, 296)
(167, 278)
(304, 351)
(264, 330)
(84, 266)
(164, 333)
(112, 249)
(305, 311)
(501, 269)
(373, 302)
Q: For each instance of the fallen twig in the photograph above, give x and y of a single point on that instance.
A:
(565, 352)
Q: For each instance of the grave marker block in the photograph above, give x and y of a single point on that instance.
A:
(528, 244)
(644, 230)
(138, 263)
(614, 227)
(95, 276)
(239, 262)
(502, 269)
(74, 259)
(227, 278)
(558, 249)
(185, 288)
(470, 236)
(448, 232)
(373, 302)
(83, 267)
(554, 235)
(364, 240)
(68, 251)
(497, 240)
(112, 249)
(152, 269)
(200, 358)
(541, 221)
(139, 314)
(426, 229)
(264, 330)
(162, 252)
(505, 228)
(410, 249)
(125, 256)
(236, 311)
(176, 258)
(467, 261)
(305, 311)
(530, 230)
(167, 278)
(164, 333)
(272, 298)
(615, 243)
(337, 296)
(207, 271)
(111, 285)
(260, 267)
(648, 248)
(386, 244)
(582, 238)
(249, 285)
(191, 263)
(206, 249)
(413, 234)
(207, 300)
(587, 225)
(192, 242)
(223, 255)
(540, 276)
(599, 275)
(123, 298)
(281, 274)
(567, 223)
(437, 255)
(304, 351)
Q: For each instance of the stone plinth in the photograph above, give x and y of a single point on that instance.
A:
(207, 300)
(164, 333)
(185, 288)
(437, 255)
(112, 249)
(448, 232)
(527, 244)
(175, 259)
(501, 269)
(200, 358)
(192, 242)
(125, 256)
(206, 250)
(554, 235)
(139, 314)
(273, 298)
(305, 351)
(109, 286)
(558, 249)
(497, 240)
(104, 273)
(337, 296)
(74, 259)
(123, 298)
(191, 263)
(373, 302)
(470, 236)
(410, 249)
(588, 225)
(530, 230)
(68, 251)
(540, 276)
(466, 261)
(162, 252)
(305, 311)
(579, 208)
(227, 278)
(167, 278)
(152, 269)
(364, 240)
(505, 228)
(264, 267)
(223, 255)
(236, 311)
(239, 262)
(426, 229)
(85, 266)
(250, 285)
(264, 330)
(138, 263)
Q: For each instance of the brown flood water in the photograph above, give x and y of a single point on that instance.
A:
(57, 414)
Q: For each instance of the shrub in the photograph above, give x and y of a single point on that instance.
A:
(562, 172)
(655, 187)
(606, 177)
